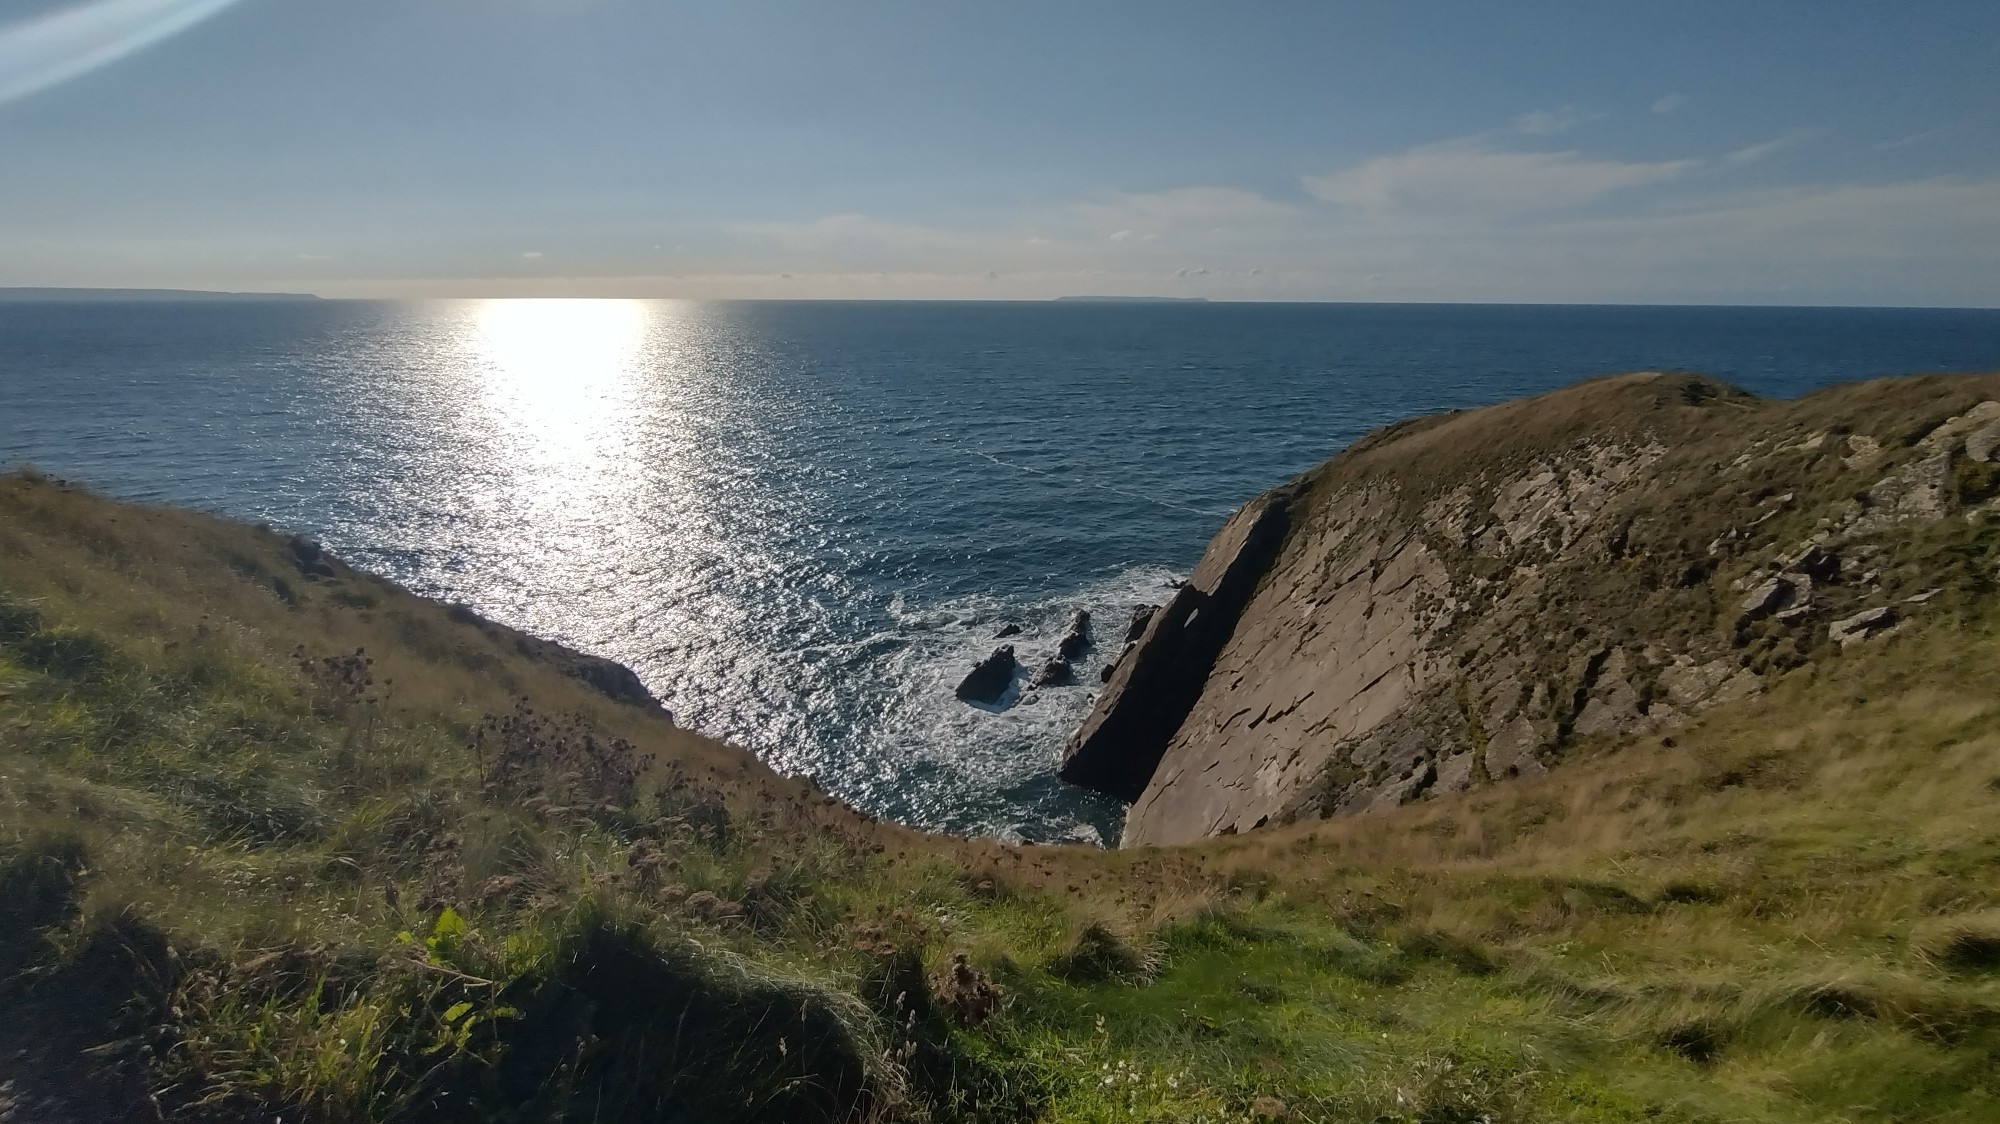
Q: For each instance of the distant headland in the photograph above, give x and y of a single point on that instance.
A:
(1135, 300)
(70, 295)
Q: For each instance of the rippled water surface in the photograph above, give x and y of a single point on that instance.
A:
(801, 523)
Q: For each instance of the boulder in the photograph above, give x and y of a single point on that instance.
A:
(1816, 563)
(1921, 490)
(1982, 444)
(1055, 673)
(1860, 626)
(1767, 598)
(1006, 630)
(989, 680)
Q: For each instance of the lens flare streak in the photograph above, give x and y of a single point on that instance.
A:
(47, 50)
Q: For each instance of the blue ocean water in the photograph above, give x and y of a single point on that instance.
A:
(802, 522)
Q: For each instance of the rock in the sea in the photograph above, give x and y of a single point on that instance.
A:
(1055, 673)
(1006, 630)
(1141, 617)
(990, 679)
(1860, 626)
(1077, 640)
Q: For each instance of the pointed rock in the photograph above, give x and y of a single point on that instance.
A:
(991, 678)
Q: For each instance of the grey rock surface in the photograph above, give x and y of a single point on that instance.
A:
(1861, 625)
(1456, 600)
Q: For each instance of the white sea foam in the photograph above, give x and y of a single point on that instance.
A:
(1021, 739)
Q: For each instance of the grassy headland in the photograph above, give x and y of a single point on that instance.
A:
(282, 844)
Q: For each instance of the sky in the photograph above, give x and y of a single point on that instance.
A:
(1778, 152)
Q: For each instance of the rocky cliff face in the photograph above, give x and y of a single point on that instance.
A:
(1460, 599)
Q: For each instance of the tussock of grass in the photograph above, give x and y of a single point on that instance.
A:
(1097, 952)
(1962, 945)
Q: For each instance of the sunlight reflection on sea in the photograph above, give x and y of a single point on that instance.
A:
(801, 523)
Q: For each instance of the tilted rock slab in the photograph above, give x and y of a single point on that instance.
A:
(1457, 600)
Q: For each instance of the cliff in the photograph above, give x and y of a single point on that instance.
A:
(1465, 598)
(281, 840)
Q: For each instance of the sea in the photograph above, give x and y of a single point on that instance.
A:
(803, 523)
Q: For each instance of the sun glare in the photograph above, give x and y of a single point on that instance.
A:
(573, 345)
(557, 373)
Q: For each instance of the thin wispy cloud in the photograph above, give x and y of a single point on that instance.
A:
(1921, 136)
(1549, 122)
(1667, 103)
(1758, 151)
(1471, 177)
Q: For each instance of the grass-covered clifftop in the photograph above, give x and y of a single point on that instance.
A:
(278, 839)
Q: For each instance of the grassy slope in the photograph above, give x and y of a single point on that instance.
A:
(256, 885)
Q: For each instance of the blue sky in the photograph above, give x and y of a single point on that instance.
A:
(1770, 152)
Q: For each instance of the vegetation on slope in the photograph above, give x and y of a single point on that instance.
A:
(281, 844)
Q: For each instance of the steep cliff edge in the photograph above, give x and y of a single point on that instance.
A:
(1461, 598)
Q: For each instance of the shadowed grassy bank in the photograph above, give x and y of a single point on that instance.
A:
(277, 838)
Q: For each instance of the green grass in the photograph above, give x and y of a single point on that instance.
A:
(255, 885)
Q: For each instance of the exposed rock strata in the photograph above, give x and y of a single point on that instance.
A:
(1460, 599)
(1152, 688)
